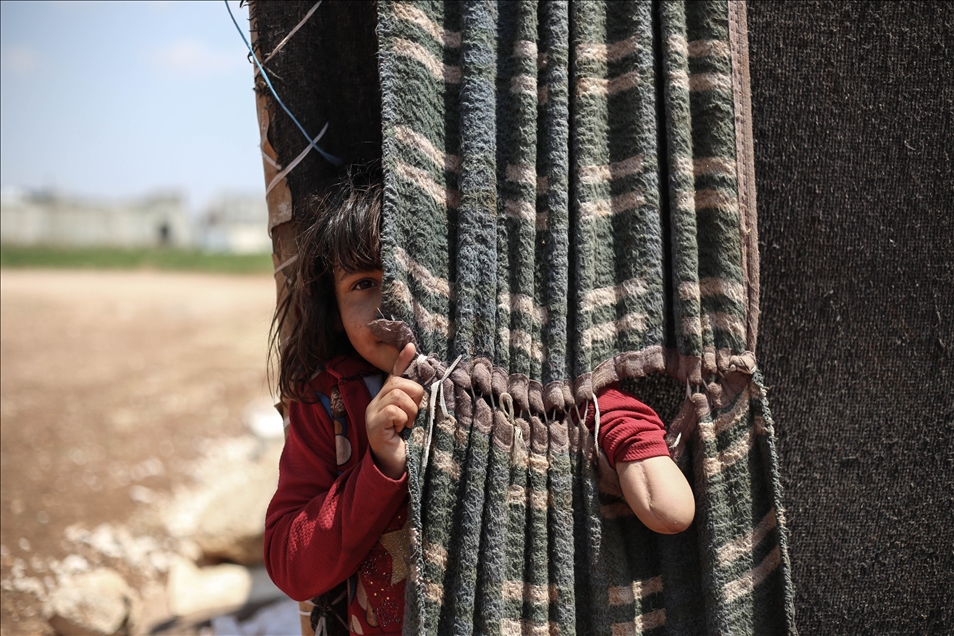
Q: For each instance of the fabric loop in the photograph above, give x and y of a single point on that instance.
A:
(553, 398)
(517, 385)
(535, 397)
(481, 372)
(506, 403)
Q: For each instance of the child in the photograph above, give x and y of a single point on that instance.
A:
(340, 511)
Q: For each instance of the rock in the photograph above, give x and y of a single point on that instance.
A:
(155, 607)
(141, 553)
(30, 584)
(196, 595)
(72, 565)
(96, 603)
(232, 526)
(196, 591)
(230, 522)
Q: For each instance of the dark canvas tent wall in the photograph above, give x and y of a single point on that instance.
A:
(853, 108)
(831, 85)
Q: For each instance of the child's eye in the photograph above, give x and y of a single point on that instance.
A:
(364, 283)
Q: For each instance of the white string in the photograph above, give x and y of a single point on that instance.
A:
(517, 439)
(281, 175)
(269, 160)
(290, 34)
(579, 418)
(596, 421)
(436, 389)
(286, 263)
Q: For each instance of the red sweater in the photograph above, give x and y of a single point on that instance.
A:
(336, 517)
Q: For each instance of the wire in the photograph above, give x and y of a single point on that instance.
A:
(329, 158)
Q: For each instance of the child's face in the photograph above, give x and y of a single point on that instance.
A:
(359, 297)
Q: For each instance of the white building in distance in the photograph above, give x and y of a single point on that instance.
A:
(231, 223)
(49, 218)
(237, 224)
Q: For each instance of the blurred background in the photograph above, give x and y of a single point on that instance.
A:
(139, 444)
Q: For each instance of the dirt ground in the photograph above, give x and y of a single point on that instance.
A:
(111, 382)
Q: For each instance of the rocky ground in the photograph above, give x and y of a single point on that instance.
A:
(138, 452)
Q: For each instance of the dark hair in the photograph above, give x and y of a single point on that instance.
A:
(338, 227)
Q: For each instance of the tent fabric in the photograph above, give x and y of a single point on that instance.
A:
(477, 143)
(569, 203)
(854, 117)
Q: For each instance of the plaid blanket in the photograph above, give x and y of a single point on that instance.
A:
(569, 202)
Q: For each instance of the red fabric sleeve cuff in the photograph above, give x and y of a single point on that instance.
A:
(381, 483)
(645, 445)
(629, 429)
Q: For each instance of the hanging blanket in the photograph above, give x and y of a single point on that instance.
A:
(569, 203)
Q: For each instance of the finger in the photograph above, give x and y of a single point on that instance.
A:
(403, 360)
(410, 387)
(395, 417)
(406, 403)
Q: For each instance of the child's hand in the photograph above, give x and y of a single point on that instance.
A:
(394, 408)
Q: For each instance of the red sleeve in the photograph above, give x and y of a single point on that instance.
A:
(629, 430)
(320, 525)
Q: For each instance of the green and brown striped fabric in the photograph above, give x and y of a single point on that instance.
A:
(569, 203)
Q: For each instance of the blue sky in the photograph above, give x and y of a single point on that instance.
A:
(118, 99)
